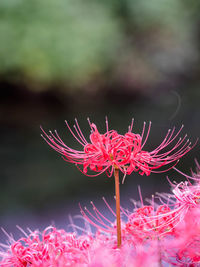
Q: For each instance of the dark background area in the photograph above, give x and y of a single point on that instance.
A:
(63, 59)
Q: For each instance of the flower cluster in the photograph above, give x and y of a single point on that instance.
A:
(126, 152)
(166, 231)
(56, 247)
(146, 222)
(47, 249)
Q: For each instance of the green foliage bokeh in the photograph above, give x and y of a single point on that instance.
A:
(56, 39)
(74, 41)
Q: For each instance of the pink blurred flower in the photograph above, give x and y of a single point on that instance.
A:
(112, 150)
(143, 223)
(150, 223)
(56, 247)
(184, 198)
(183, 248)
(47, 249)
(160, 234)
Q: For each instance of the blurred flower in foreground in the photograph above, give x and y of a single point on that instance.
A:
(153, 235)
(109, 151)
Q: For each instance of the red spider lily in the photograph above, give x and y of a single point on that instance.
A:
(185, 197)
(108, 151)
(184, 247)
(111, 152)
(177, 221)
(54, 247)
(153, 221)
(47, 249)
(146, 222)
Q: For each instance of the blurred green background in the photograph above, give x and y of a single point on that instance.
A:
(64, 59)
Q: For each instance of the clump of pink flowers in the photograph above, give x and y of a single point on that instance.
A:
(112, 152)
(163, 232)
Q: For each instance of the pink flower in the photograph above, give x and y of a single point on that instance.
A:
(187, 194)
(185, 197)
(154, 235)
(111, 150)
(184, 247)
(148, 223)
(53, 247)
(138, 226)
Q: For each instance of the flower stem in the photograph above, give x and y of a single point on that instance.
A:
(117, 198)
